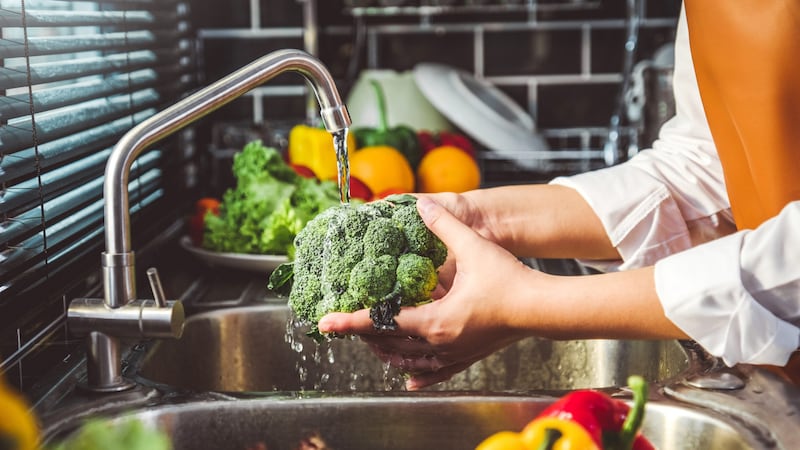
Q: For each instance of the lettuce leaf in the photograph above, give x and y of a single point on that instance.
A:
(268, 206)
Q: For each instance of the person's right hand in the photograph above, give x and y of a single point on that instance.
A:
(468, 213)
(474, 317)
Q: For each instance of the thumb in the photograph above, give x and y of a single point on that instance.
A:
(445, 225)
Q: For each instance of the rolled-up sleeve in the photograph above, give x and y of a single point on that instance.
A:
(746, 308)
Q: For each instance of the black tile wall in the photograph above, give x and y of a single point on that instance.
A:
(404, 51)
(281, 14)
(224, 55)
(576, 105)
(535, 52)
(606, 54)
(235, 14)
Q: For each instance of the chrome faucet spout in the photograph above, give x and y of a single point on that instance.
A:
(117, 219)
(119, 313)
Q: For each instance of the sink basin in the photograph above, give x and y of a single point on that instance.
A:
(405, 422)
(259, 348)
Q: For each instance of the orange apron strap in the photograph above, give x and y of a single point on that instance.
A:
(746, 56)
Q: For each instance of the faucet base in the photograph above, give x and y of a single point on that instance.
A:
(120, 386)
(103, 365)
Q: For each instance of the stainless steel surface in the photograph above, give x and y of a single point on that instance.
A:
(407, 422)
(118, 260)
(258, 348)
(766, 404)
(157, 288)
(107, 378)
(726, 381)
(138, 319)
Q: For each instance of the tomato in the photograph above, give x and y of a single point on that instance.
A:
(197, 221)
(303, 171)
(359, 189)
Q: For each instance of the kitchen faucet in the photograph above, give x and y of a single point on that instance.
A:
(120, 314)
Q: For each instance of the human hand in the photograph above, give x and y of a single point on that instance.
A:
(474, 316)
(468, 212)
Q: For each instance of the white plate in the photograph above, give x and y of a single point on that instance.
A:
(481, 110)
(255, 263)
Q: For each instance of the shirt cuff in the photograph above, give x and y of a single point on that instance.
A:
(702, 294)
(641, 218)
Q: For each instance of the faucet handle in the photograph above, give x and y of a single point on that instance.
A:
(158, 289)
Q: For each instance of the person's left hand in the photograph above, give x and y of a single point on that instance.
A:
(475, 317)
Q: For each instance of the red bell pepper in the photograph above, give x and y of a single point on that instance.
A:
(428, 141)
(457, 140)
(610, 422)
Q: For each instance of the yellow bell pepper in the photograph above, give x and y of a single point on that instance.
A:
(503, 440)
(313, 147)
(19, 429)
(554, 433)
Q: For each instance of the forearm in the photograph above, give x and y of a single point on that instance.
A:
(543, 221)
(617, 305)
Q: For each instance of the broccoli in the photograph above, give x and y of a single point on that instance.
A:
(377, 255)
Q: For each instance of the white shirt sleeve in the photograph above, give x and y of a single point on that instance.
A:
(739, 295)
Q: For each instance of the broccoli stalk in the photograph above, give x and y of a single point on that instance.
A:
(377, 255)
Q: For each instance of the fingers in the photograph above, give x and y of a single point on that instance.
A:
(358, 322)
(445, 225)
(424, 379)
(411, 321)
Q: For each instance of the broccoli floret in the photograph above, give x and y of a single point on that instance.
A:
(416, 277)
(420, 239)
(372, 280)
(384, 237)
(377, 255)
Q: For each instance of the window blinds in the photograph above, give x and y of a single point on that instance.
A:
(74, 77)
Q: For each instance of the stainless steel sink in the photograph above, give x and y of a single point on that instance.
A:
(258, 348)
(405, 422)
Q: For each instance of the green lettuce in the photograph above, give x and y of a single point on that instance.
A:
(269, 205)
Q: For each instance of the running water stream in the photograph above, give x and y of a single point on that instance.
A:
(342, 164)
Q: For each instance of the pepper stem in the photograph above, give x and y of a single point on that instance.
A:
(633, 421)
(383, 123)
(551, 436)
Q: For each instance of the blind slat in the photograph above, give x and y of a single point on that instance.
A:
(77, 192)
(61, 122)
(13, 106)
(43, 18)
(58, 181)
(18, 258)
(59, 260)
(38, 46)
(56, 152)
(48, 72)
